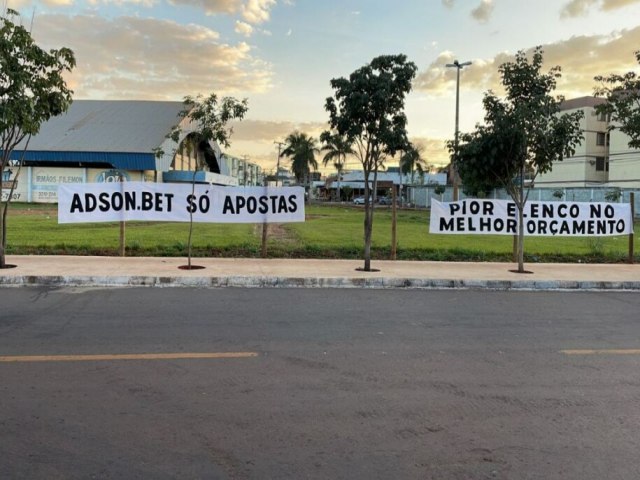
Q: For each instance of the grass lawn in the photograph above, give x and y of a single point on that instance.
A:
(330, 231)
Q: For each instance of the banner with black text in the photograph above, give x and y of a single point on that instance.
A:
(170, 202)
(500, 217)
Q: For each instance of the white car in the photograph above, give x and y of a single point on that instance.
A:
(360, 200)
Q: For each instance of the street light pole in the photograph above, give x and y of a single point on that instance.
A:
(458, 66)
(280, 144)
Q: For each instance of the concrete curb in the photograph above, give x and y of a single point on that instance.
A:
(310, 282)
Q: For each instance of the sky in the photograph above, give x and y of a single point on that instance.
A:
(282, 54)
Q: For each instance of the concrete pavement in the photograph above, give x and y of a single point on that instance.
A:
(77, 271)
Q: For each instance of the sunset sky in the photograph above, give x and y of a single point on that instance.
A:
(281, 54)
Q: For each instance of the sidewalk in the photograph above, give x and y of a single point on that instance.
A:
(58, 271)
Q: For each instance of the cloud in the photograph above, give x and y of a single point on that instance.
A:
(438, 79)
(580, 8)
(614, 4)
(270, 131)
(58, 3)
(17, 4)
(257, 11)
(212, 7)
(576, 8)
(243, 28)
(448, 3)
(434, 150)
(482, 13)
(144, 3)
(581, 59)
(169, 60)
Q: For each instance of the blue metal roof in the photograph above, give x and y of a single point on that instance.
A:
(184, 176)
(119, 160)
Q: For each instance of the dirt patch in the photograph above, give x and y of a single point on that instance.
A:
(51, 211)
(275, 232)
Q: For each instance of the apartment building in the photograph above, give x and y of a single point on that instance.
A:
(602, 159)
(589, 165)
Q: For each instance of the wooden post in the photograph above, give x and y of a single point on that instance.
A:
(263, 252)
(632, 200)
(122, 238)
(394, 221)
(122, 222)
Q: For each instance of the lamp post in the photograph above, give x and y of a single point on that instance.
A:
(280, 144)
(458, 66)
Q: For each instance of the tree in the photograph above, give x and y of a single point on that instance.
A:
(439, 190)
(32, 90)
(348, 192)
(523, 133)
(208, 121)
(302, 149)
(622, 93)
(337, 148)
(209, 117)
(411, 162)
(368, 109)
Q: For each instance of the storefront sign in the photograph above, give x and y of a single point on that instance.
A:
(166, 202)
(46, 180)
(500, 217)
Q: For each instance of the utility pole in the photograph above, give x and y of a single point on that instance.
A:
(458, 66)
(245, 158)
(280, 144)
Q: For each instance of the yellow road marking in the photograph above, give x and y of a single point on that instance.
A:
(631, 351)
(126, 356)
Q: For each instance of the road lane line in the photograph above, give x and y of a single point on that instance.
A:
(630, 351)
(126, 356)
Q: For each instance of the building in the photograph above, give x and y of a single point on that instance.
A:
(602, 159)
(282, 178)
(109, 141)
(386, 180)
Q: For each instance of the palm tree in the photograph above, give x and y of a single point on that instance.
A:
(337, 147)
(302, 149)
(412, 162)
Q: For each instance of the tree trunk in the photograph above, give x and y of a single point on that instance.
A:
(193, 191)
(368, 223)
(3, 233)
(521, 204)
(521, 238)
(367, 237)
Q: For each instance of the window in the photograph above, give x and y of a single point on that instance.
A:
(602, 164)
(604, 117)
(601, 138)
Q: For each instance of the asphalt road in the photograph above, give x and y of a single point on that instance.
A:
(323, 384)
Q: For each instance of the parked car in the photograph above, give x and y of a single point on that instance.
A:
(359, 200)
(384, 200)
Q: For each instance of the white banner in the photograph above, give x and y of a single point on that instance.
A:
(500, 217)
(170, 202)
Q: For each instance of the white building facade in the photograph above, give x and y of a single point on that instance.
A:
(602, 159)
